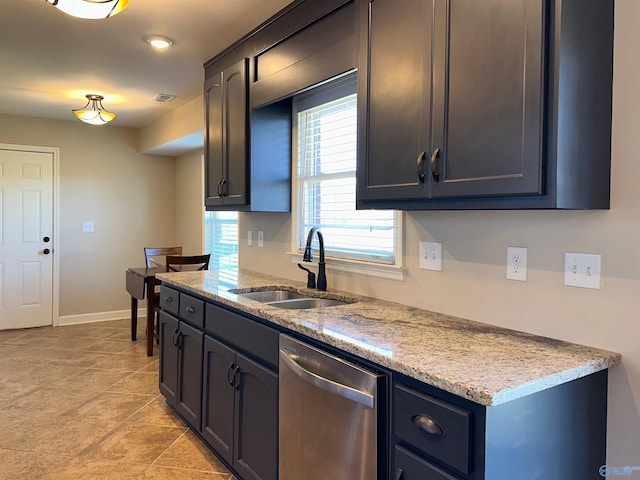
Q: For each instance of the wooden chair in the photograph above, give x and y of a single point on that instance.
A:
(155, 257)
(187, 263)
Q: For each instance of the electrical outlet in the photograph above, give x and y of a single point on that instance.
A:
(260, 239)
(88, 226)
(249, 238)
(431, 256)
(582, 270)
(517, 263)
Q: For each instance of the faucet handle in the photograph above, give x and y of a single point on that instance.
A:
(311, 277)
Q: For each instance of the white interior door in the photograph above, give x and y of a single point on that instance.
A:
(26, 238)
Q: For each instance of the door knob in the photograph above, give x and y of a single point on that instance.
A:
(46, 239)
(46, 251)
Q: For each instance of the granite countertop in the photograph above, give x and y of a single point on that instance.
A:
(487, 364)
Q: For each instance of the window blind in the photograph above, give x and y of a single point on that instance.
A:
(327, 152)
(221, 241)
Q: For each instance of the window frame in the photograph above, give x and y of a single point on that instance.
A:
(324, 93)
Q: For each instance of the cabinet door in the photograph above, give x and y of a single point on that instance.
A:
(235, 134)
(168, 326)
(256, 418)
(227, 136)
(190, 343)
(218, 397)
(488, 97)
(394, 98)
(213, 152)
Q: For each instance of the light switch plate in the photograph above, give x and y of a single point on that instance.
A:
(249, 238)
(582, 270)
(260, 239)
(88, 226)
(431, 256)
(517, 263)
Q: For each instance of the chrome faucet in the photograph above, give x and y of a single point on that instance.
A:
(308, 256)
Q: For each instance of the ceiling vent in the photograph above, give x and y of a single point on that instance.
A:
(164, 98)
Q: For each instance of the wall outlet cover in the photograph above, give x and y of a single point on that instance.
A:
(517, 263)
(431, 256)
(582, 270)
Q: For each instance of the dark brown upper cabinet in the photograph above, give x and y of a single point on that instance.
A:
(247, 152)
(226, 137)
(485, 105)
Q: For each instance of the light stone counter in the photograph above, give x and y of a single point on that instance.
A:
(486, 364)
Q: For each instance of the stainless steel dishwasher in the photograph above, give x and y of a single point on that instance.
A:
(330, 410)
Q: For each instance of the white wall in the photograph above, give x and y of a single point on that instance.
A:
(130, 197)
(190, 202)
(473, 284)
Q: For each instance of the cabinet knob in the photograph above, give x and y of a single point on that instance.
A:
(427, 424)
(190, 309)
(399, 474)
(421, 175)
(169, 300)
(435, 174)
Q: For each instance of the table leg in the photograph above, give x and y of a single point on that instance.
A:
(151, 311)
(134, 318)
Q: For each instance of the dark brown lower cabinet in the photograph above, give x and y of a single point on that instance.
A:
(181, 367)
(240, 403)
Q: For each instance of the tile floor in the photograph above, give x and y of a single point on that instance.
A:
(82, 402)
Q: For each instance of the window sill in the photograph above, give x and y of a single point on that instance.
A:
(379, 270)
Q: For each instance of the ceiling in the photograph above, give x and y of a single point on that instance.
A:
(49, 60)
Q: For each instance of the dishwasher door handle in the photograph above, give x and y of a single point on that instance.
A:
(336, 388)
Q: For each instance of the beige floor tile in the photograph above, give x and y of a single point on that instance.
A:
(87, 469)
(135, 443)
(17, 465)
(92, 379)
(129, 363)
(156, 412)
(110, 407)
(139, 382)
(167, 473)
(189, 452)
(106, 345)
(47, 401)
(53, 434)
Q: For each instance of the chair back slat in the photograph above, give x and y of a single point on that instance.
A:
(155, 257)
(196, 262)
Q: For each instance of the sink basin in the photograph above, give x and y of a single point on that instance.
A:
(305, 303)
(291, 300)
(268, 296)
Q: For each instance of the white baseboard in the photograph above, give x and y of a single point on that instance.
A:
(101, 317)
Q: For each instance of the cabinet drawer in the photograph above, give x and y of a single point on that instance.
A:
(169, 300)
(192, 310)
(433, 426)
(408, 466)
(253, 338)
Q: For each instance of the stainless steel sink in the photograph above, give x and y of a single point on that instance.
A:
(305, 303)
(291, 300)
(268, 296)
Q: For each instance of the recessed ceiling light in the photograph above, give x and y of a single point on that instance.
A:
(158, 41)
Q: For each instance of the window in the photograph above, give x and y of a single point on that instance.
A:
(221, 241)
(325, 194)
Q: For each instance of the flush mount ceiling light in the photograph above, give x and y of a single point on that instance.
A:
(93, 112)
(158, 41)
(92, 9)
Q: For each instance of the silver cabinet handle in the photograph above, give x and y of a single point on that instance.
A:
(344, 391)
